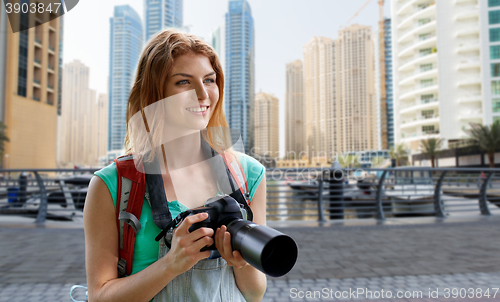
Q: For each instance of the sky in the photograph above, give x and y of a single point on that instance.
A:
(282, 27)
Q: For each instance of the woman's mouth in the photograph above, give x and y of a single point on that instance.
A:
(201, 110)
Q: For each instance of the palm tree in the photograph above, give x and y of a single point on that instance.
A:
(487, 138)
(431, 147)
(3, 139)
(349, 161)
(398, 153)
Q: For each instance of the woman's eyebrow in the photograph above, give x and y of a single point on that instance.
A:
(190, 76)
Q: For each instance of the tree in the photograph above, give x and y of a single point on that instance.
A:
(398, 153)
(349, 161)
(487, 138)
(431, 147)
(3, 139)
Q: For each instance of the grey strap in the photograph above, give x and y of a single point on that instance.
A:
(124, 195)
(131, 220)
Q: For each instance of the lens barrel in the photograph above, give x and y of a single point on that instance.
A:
(266, 249)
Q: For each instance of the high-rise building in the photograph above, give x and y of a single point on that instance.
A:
(294, 109)
(101, 120)
(355, 107)
(440, 83)
(266, 125)
(239, 70)
(126, 42)
(319, 97)
(81, 121)
(29, 90)
(161, 14)
(489, 16)
(218, 42)
(383, 85)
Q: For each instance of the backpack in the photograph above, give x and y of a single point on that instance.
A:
(132, 188)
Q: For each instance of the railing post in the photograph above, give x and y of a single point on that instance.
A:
(321, 215)
(438, 205)
(378, 200)
(42, 209)
(483, 200)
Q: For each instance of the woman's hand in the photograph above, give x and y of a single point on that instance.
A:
(185, 249)
(223, 244)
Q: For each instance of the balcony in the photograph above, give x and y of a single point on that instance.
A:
(50, 87)
(412, 92)
(465, 64)
(468, 47)
(420, 105)
(417, 29)
(420, 135)
(408, 78)
(51, 48)
(471, 115)
(470, 81)
(468, 14)
(38, 42)
(424, 42)
(408, 64)
(50, 68)
(470, 98)
(418, 13)
(467, 31)
(36, 82)
(419, 121)
(38, 61)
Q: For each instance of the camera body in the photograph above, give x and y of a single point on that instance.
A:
(221, 210)
(266, 249)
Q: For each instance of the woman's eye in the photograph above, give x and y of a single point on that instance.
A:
(210, 80)
(182, 82)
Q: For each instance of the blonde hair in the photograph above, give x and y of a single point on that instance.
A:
(149, 87)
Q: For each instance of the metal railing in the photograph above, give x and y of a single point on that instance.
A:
(293, 194)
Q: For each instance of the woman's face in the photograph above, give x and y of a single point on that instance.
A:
(192, 92)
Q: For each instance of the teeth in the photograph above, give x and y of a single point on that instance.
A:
(197, 109)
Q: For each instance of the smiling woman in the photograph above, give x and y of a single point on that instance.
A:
(177, 98)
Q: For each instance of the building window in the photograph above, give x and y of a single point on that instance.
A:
(426, 51)
(428, 129)
(424, 21)
(494, 17)
(424, 36)
(426, 82)
(495, 87)
(494, 34)
(496, 105)
(492, 3)
(425, 67)
(22, 64)
(495, 52)
(426, 98)
(427, 114)
(495, 69)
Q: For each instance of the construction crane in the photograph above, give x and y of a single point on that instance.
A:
(381, 58)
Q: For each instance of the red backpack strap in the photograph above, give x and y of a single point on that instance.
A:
(237, 172)
(131, 190)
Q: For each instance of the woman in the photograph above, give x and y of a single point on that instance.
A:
(174, 66)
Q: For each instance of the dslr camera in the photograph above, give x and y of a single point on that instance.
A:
(265, 248)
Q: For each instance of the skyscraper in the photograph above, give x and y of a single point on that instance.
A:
(442, 74)
(126, 42)
(383, 85)
(294, 109)
(29, 90)
(239, 70)
(160, 14)
(319, 97)
(266, 125)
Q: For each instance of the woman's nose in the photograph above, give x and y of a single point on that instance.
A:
(202, 93)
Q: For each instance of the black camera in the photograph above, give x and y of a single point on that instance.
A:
(266, 249)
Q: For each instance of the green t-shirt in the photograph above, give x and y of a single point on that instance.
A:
(146, 248)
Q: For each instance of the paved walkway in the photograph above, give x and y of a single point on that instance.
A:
(336, 262)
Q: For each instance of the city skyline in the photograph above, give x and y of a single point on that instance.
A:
(275, 25)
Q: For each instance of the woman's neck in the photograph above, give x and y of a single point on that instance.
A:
(183, 151)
